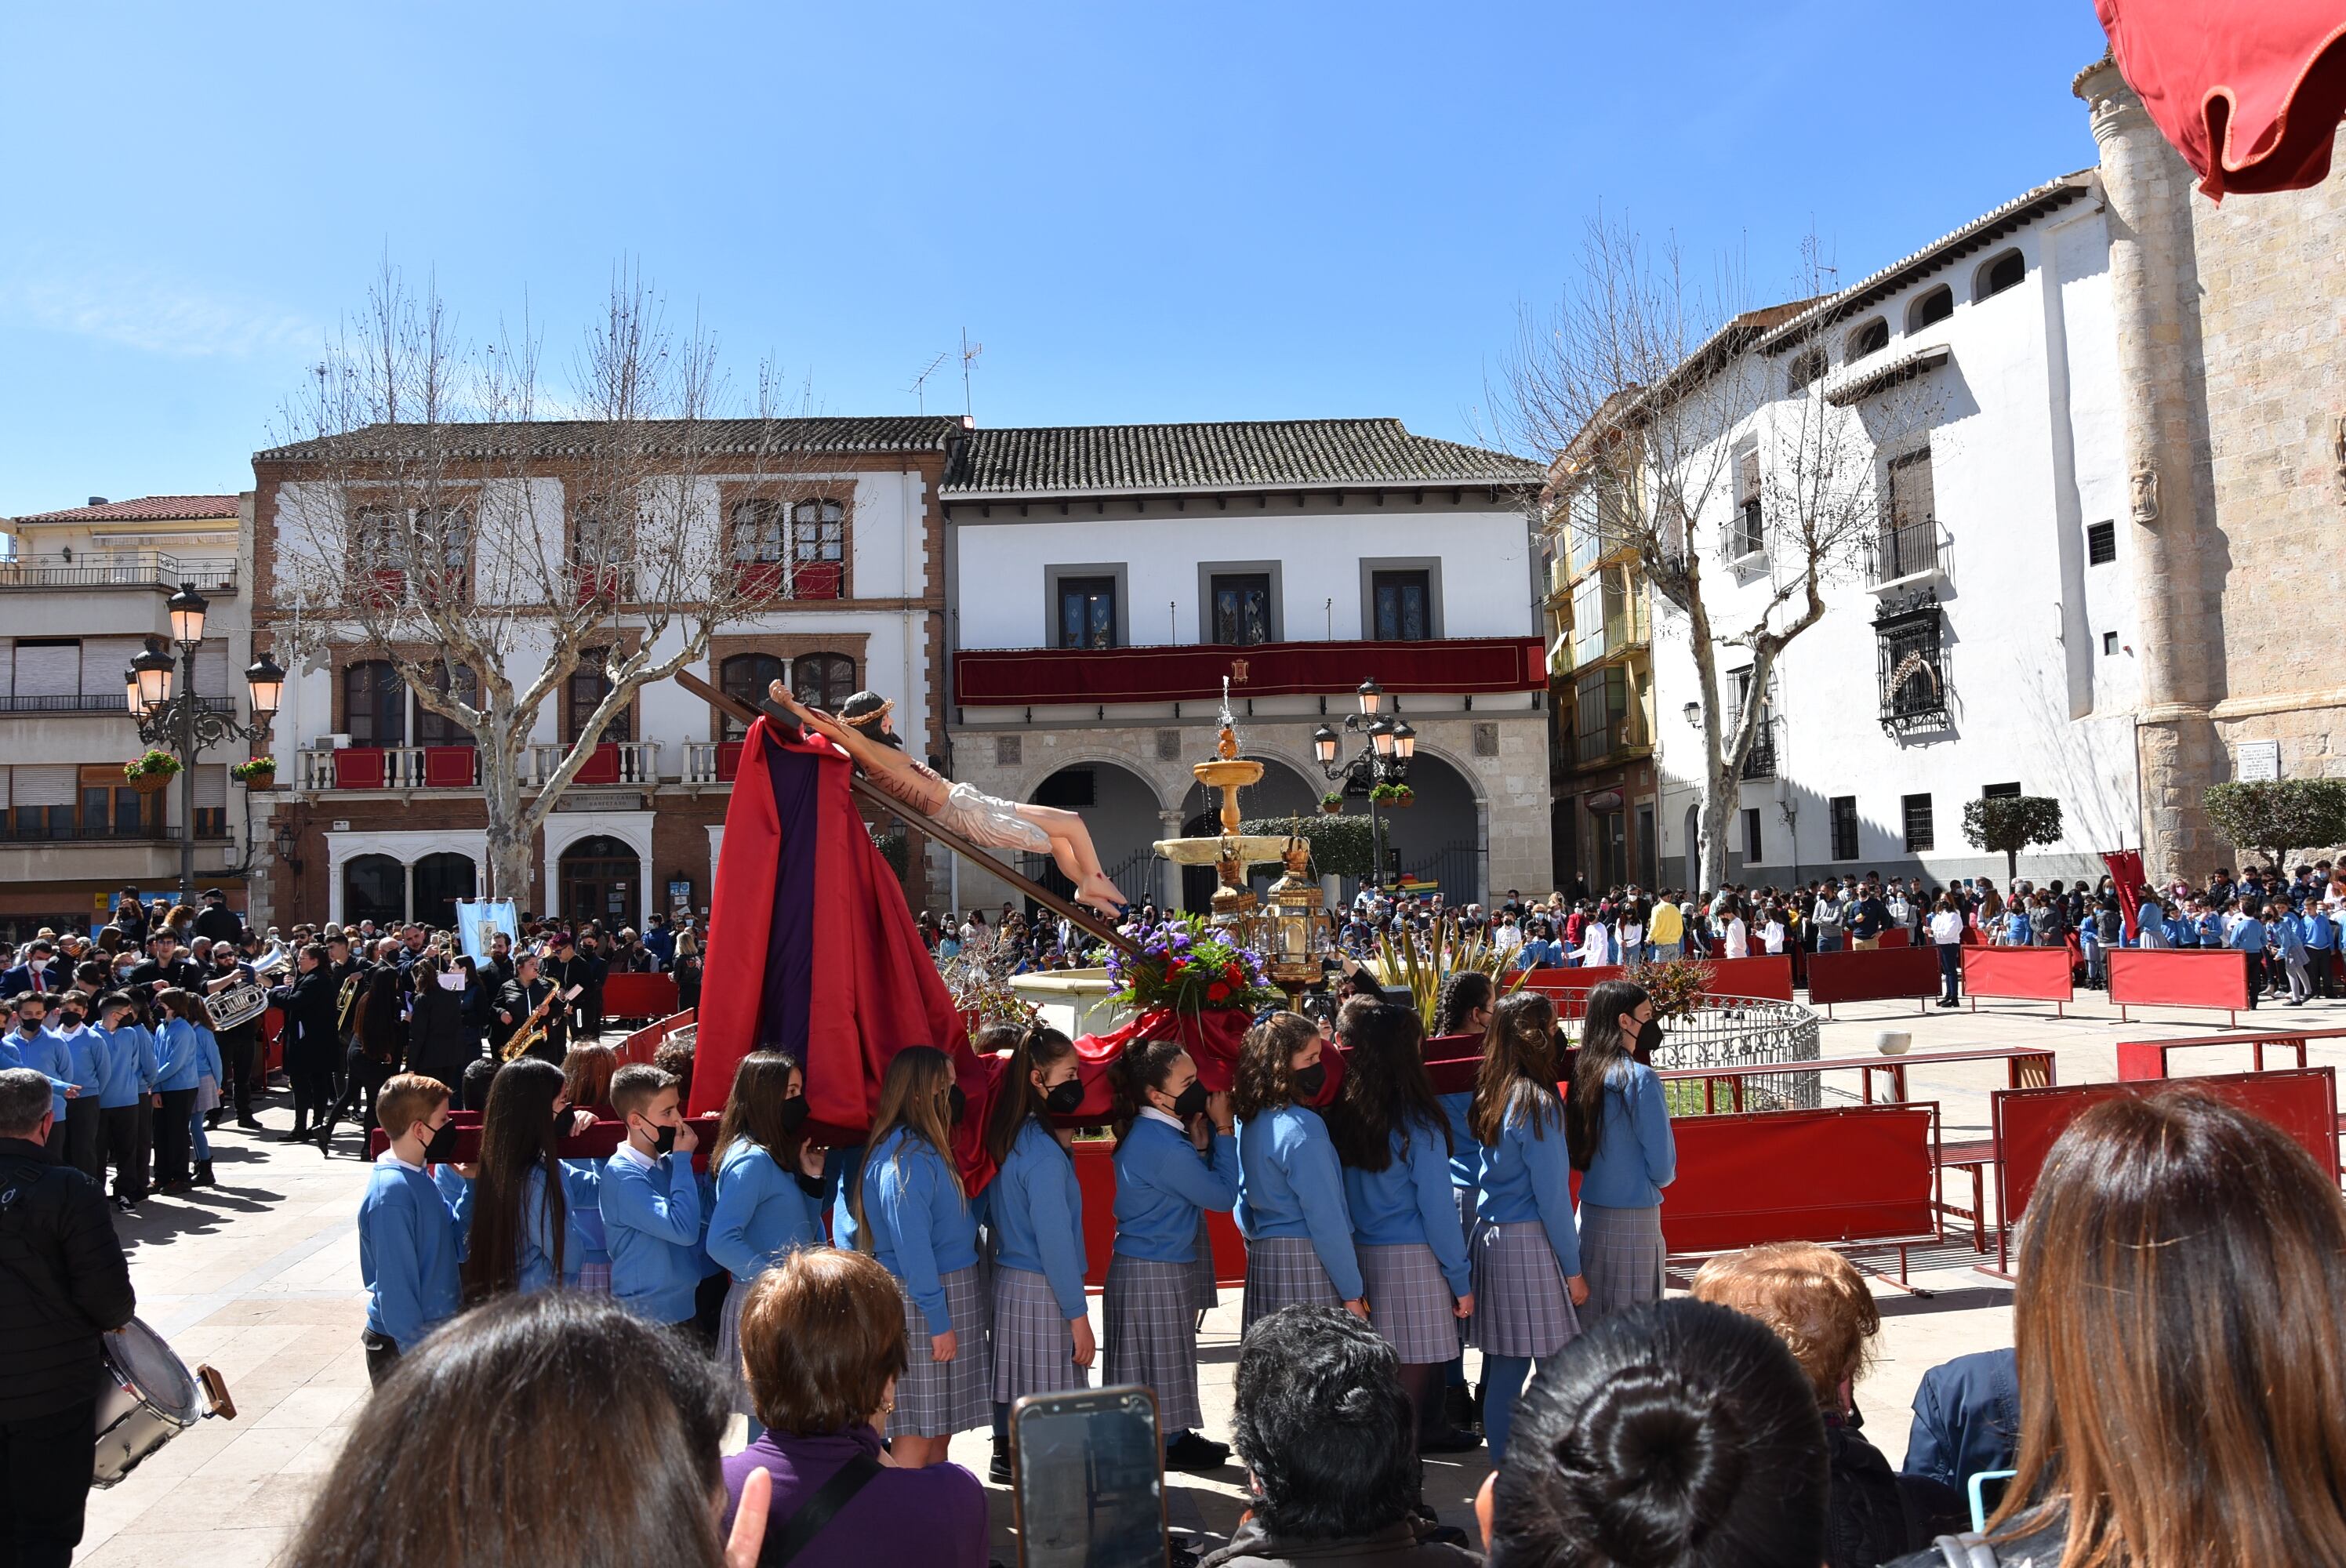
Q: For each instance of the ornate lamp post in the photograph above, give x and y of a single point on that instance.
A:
(181, 721)
(1385, 759)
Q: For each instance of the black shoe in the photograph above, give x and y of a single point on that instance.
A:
(1191, 1452)
(297, 1134)
(1458, 1410)
(249, 1124)
(204, 1174)
(998, 1471)
(125, 1204)
(1450, 1439)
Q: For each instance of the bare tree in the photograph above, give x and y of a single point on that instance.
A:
(437, 517)
(1678, 443)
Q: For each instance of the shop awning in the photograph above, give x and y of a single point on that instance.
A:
(2249, 91)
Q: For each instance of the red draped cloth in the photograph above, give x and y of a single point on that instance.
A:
(2249, 91)
(2126, 870)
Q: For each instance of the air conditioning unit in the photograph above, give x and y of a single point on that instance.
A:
(327, 743)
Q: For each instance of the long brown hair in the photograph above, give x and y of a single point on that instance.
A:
(754, 1109)
(1016, 1099)
(518, 1138)
(1264, 1080)
(1385, 1089)
(587, 1070)
(1602, 1049)
(912, 1099)
(1461, 995)
(1144, 1066)
(186, 1004)
(2182, 1358)
(1518, 1069)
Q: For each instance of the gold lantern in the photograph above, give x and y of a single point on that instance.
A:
(1298, 937)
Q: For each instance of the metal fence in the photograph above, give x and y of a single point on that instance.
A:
(1737, 1030)
(118, 569)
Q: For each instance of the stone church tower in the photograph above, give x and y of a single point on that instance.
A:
(2231, 351)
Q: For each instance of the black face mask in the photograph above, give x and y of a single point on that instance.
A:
(1061, 1099)
(794, 1113)
(442, 1148)
(1190, 1102)
(73, 1020)
(663, 1141)
(561, 1122)
(1649, 1034)
(956, 1104)
(1312, 1080)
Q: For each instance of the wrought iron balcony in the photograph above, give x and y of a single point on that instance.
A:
(1760, 762)
(1904, 550)
(1910, 654)
(118, 569)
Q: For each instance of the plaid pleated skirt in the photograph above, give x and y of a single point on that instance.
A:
(728, 1349)
(938, 1398)
(1409, 1303)
(1282, 1270)
(1203, 1295)
(1152, 1335)
(595, 1277)
(1520, 1306)
(1466, 1196)
(1621, 1255)
(1034, 1348)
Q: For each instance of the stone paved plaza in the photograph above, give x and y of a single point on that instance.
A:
(260, 1278)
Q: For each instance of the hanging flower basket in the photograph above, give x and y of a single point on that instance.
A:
(1392, 796)
(255, 773)
(1332, 804)
(151, 770)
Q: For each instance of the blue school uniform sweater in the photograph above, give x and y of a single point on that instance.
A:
(411, 1238)
(130, 1066)
(535, 1265)
(760, 1213)
(1465, 1154)
(88, 1051)
(2249, 936)
(180, 1060)
(45, 1053)
(1636, 1156)
(922, 1228)
(1037, 1214)
(1527, 1177)
(1410, 1201)
(1162, 1182)
(208, 1058)
(582, 1189)
(1289, 1184)
(651, 1222)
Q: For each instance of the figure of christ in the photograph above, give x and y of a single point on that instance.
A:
(862, 731)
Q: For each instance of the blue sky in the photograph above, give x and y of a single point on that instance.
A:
(1202, 211)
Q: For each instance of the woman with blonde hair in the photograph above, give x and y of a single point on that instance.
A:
(912, 1212)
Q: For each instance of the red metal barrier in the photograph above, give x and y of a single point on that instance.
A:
(2032, 974)
(1769, 976)
(2301, 1101)
(2175, 977)
(1883, 974)
(639, 995)
(2142, 1060)
(598, 1141)
(1896, 936)
(1860, 1175)
(1095, 1174)
(1555, 981)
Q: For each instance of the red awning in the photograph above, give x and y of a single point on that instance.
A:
(2249, 91)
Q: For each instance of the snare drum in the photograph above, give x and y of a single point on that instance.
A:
(146, 1397)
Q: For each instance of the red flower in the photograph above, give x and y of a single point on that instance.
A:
(1173, 970)
(1233, 974)
(1217, 992)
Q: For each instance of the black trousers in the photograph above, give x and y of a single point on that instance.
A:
(381, 1353)
(363, 1078)
(44, 1465)
(2256, 977)
(124, 1147)
(172, 1144)
(240, 1060)
(85, 1137)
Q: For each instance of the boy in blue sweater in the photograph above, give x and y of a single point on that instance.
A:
(651, 1200)
(86, 1049)
(410, 1235)
(126, 1096)
(31, 1044)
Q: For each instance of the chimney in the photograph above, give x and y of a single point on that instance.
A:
(97, 501)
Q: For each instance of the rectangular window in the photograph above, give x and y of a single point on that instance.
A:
(1404, 606)
(44, 797)
(1993, 791)
(1088, 612)
(1751, 835)
(1844, 827)
(587, 688)
(1909, 541)
(1916, 810)
(1749, 536)
(1586, 544)
(2101, 543)
(2110, 645)
(110, 809)
(1241, 608)
(48, 667)
(1602, 714)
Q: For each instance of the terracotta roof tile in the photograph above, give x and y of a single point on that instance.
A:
(145, 509)
(1226, 456)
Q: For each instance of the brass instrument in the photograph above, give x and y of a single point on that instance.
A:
(348, 1002)
(235, 1005)
(531, 1032)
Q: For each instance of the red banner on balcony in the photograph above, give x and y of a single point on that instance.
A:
(601, 767)
(359, 768)
(1016, 677)
(448, 767)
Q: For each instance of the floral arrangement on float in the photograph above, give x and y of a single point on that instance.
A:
(1187, 966)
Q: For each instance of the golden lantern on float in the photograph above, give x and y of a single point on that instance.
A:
(1298, 937)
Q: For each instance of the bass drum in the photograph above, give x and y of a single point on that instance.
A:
(147, 1398)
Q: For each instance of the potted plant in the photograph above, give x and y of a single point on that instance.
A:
(151, 770)
(1392, 795)
(255, 772)
(1333, 803)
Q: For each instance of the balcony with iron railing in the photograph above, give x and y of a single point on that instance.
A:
(100, 703)
(1903, 552)
(1001, 677)
(118, 569)
(1746, 533)
(1760, 762)
(1619, 737)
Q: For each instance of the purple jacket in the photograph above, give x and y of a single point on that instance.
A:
(935, 1515)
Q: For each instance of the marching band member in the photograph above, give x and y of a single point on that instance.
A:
(1291, 1188)
(769, 1191)
(312, 1036)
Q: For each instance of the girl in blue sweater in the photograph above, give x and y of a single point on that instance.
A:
(912, 1214)
(178, 1071)
(1042, 1324)
(1394, 1143)
(523, 1195)
(770, 1194)
(1618, 1126)
(1174, 1159)
(1526, 1257)
(1291, 1189)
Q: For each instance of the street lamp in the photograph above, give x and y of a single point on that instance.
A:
(181, 721)
(1372, 696)
(1384, 760)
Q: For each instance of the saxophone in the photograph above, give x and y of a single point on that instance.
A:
(348, 1002)
(531, 1032)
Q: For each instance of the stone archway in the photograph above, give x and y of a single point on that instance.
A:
(1438, 835)
(1283, 791)
(1124, 814)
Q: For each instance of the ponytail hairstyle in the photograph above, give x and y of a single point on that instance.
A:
(754, 1111)
(1265, 1082)
(913, 1099)
(1603, 1049)
(1464, 991)
(1518, 1070)
(1144, 1066)
(1040, 1048)
(517, 1136)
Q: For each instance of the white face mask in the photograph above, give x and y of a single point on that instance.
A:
(451, 980)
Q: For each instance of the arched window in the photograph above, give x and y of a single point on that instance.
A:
(1807, 366)
(374, 704)
(601, 879)
(440, 881)
(431, 729)
(822, 680)
(374, 887)
(1997, 274)
(746, 677)
(1869, 339)
(1935, 306)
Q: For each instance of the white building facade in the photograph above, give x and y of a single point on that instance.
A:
(1984, 643)
(1104, 580)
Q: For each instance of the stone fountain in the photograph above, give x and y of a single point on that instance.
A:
(1230, 851)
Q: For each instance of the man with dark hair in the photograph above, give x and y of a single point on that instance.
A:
(165, 967)
(62, 1282)
(1323, 1429)
(216, 919)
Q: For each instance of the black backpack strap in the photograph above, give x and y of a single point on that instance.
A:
(789, 1537)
